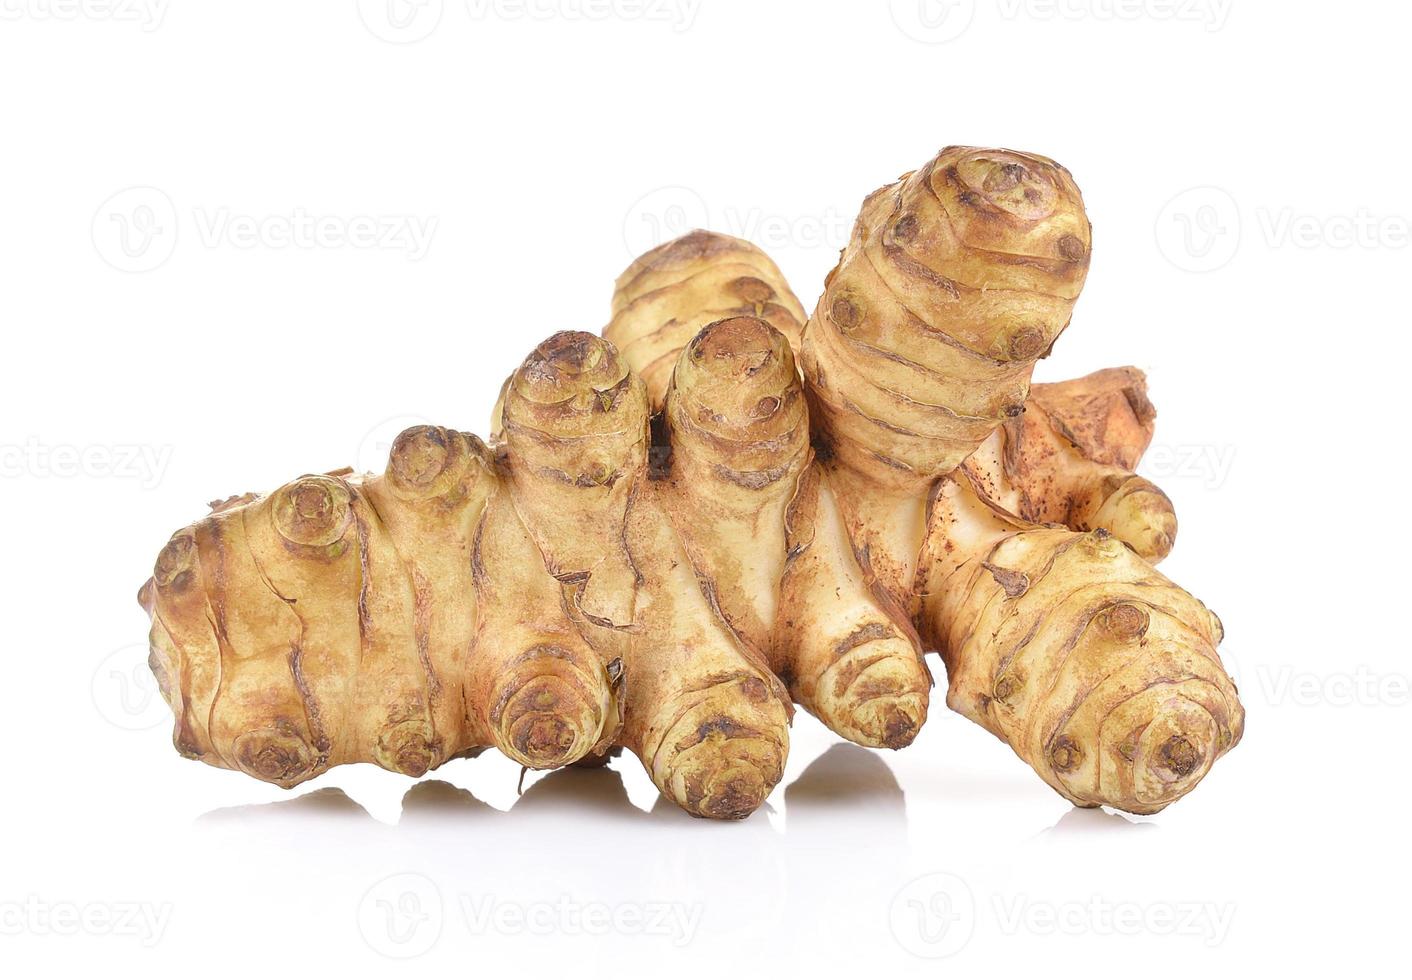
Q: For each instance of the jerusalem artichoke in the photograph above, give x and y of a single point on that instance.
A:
(328, 623)
(1069, 646)
(956, 279)
(676, 531)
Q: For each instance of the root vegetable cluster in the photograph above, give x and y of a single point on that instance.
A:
(722, 508)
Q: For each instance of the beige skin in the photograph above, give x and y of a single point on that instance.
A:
(708, 720)
(743, 491)
(957, 278)
(1099, 672)
(810, 510)
(705, 716)
(1070, 458)
(345, 619)
(667, 295)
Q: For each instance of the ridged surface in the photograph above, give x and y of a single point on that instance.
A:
(594, 578)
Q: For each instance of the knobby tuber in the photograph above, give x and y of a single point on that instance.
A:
(719, 509)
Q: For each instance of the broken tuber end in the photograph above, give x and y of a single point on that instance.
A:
(728, 785)
(889, 721)
(313, 511)
(550, 712)
(725, 753)
(572, 369)
(875, 694)
(738, 375)
(1141, 516)
(275, 756)
(407, 749)
(429, 461)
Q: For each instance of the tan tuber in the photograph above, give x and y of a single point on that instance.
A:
(717, 510)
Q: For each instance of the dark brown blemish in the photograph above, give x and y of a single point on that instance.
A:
(752, 290)
(754, 689)
(845, 313)
(765, 407)
(1125, 622)
(1004, 178)
(1027, 344)
(899, 730)
(715, 725)
(1066, 755)
(865, 634)
(173, 568)
(1179, 756)
(1142, 408)
(419, 454)
(1006, 688)
(1014, 583)
(1072, 248)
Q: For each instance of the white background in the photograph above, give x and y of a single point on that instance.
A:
(1245, 167)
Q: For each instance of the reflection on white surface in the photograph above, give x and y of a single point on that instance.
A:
(1080, 823)
(573, 860)
(949, 855)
